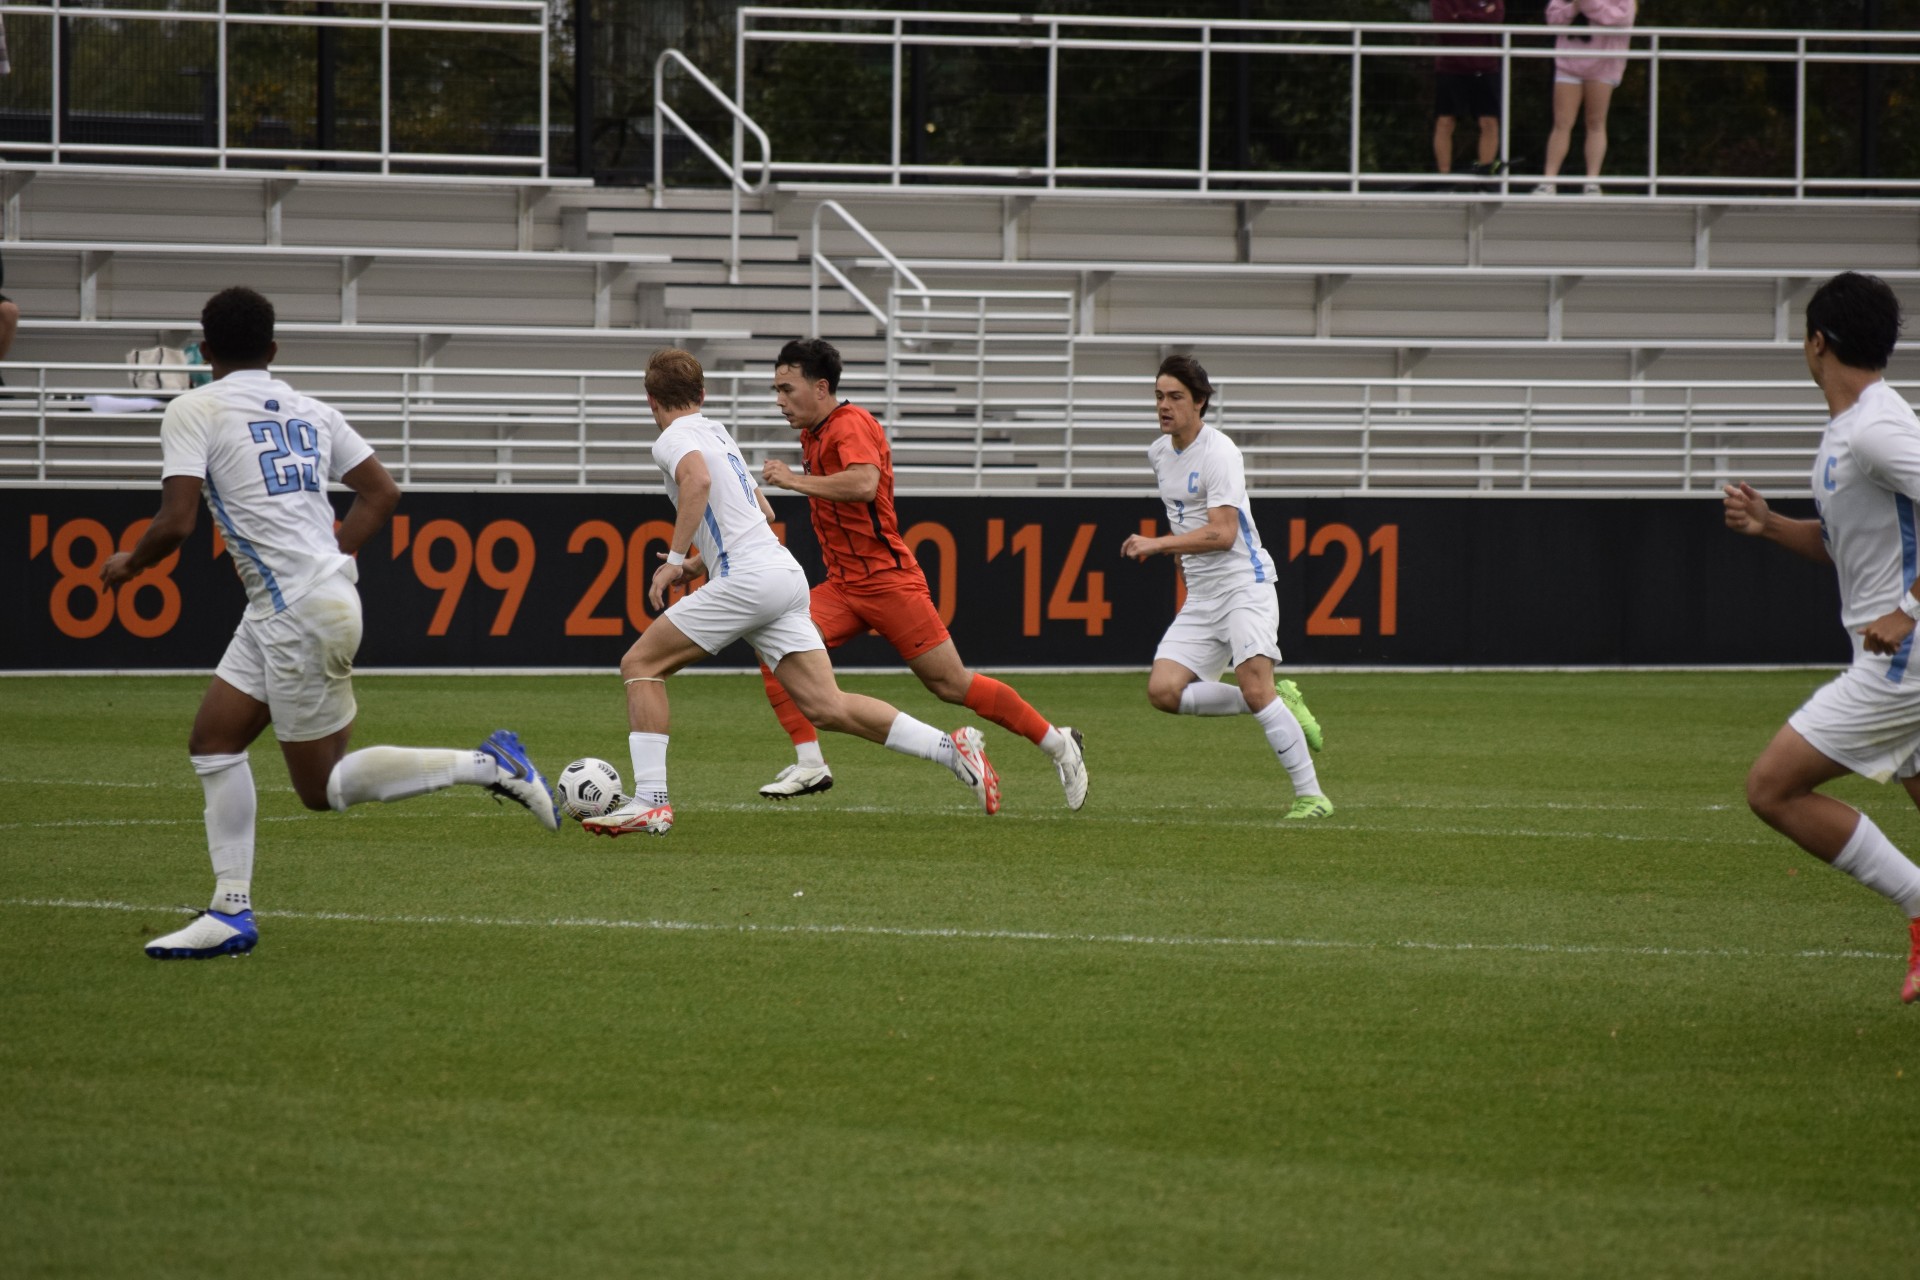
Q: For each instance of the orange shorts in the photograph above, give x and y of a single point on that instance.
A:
(903, 613)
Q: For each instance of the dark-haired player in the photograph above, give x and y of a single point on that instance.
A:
(1866, 480)
(1231, 619)
(757, 592)
(873, 581)
(262, 454)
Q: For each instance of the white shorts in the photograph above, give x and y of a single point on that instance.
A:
(1562, 77)
(768, 608)
(300, 661)
(1215, 634)
(1866, 722)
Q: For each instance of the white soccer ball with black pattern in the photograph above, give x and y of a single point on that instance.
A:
(589, 788)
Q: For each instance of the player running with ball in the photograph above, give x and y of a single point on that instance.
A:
(755, 591)
(262, 454)
(1231, 618)
(1866, 480)
(873, 580)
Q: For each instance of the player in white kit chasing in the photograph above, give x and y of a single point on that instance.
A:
(1866, 481)
(755, 591)
(1231, 618)
(262, 455)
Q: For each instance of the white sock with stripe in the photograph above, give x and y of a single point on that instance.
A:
(1872, 859)
(1211, 698)
(387, 774)
(1289, 742)
(649, 754)
(227, 782)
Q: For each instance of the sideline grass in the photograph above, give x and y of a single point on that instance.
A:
(1540, 998)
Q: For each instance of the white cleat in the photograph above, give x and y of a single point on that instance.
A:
(971, 748)
(519, 780)
(799, 780)
(1073, 768)
(211, 933)
(633, 816)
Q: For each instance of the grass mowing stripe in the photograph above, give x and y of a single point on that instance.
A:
(977, 935)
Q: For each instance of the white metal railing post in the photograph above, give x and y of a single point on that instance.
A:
(664, 114)
(1353, 128)
(1206, 100)
(406, 426)
(1366, 435)
(1506, 111)
(1686, 444)
(220, 90)
(1526, 441)
(1066, 441)
(40, 467)
(980, 392)
(580, 145)
(1653, 116)
(582, 386)
(386, 87)
(1800, 120)
(818, 260)
(899, 30)
(1053, 102)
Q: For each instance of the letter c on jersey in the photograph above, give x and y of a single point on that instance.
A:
(1193, 482)
(1826, 476)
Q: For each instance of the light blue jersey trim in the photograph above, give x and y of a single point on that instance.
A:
(244, 547)
(1253, 552)
(1909, 555)
(719, 544)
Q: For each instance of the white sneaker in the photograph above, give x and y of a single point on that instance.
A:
(1072, 768)
(971, 748)
(211, 933)
(1592, 189)
(1546, 189)
(655, 820)
(799, 780)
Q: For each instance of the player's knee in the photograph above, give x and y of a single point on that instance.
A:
(823, 711)
(1767, 795)
(315, 799)
(1165, 697)
(951, 688)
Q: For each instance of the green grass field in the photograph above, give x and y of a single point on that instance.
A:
(1542, 998)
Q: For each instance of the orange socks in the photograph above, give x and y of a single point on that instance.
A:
(991, 700)
(797, 726)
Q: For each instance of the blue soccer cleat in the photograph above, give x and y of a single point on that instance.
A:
(210, 934)
(519, 781)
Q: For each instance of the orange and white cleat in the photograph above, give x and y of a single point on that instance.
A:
(970, 749)
(634, 815)
(1910, 990)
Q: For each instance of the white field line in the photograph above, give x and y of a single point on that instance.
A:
(976, 935)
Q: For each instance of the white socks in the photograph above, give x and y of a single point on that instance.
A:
(808, 754)
(395, 773)
(1289, 742)
(1871, 858)
(1211, 698)
(227, 781)
(1054, 744)
(649, 753)
(912, 737)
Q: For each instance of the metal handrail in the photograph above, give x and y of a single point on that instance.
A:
(56, 147)
(818, 260)
(736, 184)
(1348, 40)
(988, 431)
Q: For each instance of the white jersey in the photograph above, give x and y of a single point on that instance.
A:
(1866, 480)
(264, 454)
(1209, 473)
(733, 533)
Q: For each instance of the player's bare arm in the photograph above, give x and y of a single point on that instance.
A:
(695, 482)
(1222, 527)
(1748, 513)
(179, 511)
(375, 495)
(858, 483)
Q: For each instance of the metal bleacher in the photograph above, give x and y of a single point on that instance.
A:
(490, 330)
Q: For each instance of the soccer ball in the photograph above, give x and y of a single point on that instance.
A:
(589, 788)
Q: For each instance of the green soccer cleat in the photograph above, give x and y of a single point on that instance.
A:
(1309, 807)
(1290, 697)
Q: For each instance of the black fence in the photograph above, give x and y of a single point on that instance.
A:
(559, 580)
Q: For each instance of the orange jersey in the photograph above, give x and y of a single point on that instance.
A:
(858, 540)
